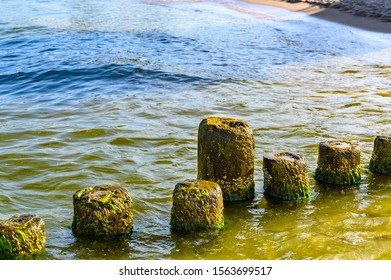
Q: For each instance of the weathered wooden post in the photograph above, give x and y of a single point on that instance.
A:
(226, 156)
(286, 177)
(197, 205)
(380, 162)
(102, 211)
(22, 235)
(338, 163)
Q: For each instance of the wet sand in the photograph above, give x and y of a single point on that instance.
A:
(330, 14)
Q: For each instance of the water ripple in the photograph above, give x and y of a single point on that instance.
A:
(113, 92)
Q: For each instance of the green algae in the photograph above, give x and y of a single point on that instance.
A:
(5, 245)
(197, 205)
(102, 211)
(79, 194)
(286, 177)
(226, 156)
(341, 177)
(22, 235)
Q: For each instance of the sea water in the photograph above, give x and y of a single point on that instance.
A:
(112, 92)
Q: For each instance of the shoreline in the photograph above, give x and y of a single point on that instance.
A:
(329, 14)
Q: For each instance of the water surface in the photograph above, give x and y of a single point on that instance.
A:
(95, 92)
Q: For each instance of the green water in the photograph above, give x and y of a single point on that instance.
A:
(85, 100)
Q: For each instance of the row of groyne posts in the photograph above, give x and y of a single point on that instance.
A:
(226, 158)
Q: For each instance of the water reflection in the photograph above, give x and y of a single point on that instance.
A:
(101, 248)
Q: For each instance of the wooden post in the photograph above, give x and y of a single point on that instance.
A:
(22, 235)
(226, 156)
(338, 163)
(380, 162)
(197, 205)
(286, 177)
(102, 211)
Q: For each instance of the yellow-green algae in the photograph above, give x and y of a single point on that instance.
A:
(380, 162)
(226, 156)
(22, 235)
(338, 163)
(102, 211)
(286, 177)
(197, 205)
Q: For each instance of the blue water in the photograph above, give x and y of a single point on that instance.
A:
(101, 91)
(68, 49)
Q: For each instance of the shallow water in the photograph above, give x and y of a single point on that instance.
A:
(95, 92)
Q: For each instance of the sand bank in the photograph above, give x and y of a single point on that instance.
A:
(331, 14)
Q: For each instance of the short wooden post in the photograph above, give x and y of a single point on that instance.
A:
(380, 162)
(197, 205)
(22, 235)
(338, 163)
(286, 177)
(102, 211)
(226, 156)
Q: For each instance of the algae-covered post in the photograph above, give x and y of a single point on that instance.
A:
(102, 211)
(286, 177)
(380, 162)
(197, 205)
(22, 235)
(226, 156)
(338, 163)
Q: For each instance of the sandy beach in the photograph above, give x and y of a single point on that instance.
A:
(331, 14)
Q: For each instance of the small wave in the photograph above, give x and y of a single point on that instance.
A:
(50, 81)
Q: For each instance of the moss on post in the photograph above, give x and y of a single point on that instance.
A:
(286, 177)
(380, 162)
(197, 205)
(102, 211)
(22, 235)
(226, 156)
(338, 163)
